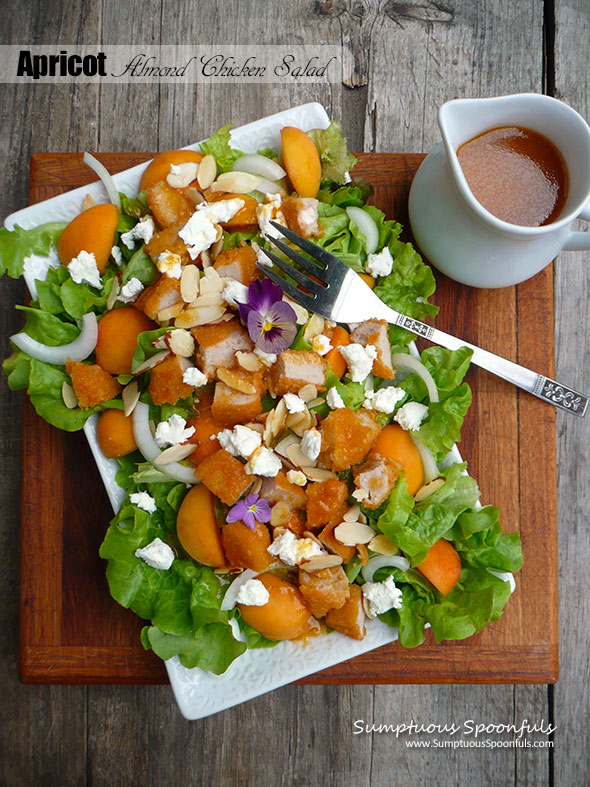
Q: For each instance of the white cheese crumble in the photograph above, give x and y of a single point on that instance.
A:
(334, 400)
(266, 359)
(194, 376)
(200, 231)
(321, 344)
(294, 403)
(117, 255)
(83, 269)
(143, 230)
(296, 477)
(270, 210)
(156, 554)
(382, 596)
(253, 594)
(173, 431)
(170, 264)
(411, 415)
(264, 462)
(235, 292)
(240, 441)
(37, 266)
(359, 359)
(293, 550)
(130, 291)
(384, 400)
(144, 501)
(311, 444)
(380, 264)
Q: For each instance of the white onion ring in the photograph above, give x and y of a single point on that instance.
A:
(407, 363)
(270, 186)
(384, 561)
(229, 600)
(256, 164)
(366, 225)
(505, 576)
(77, 350)
(431, 470)
(105, 177)
(150, 450)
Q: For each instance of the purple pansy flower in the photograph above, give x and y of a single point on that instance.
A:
(250, 510)
(270, 321)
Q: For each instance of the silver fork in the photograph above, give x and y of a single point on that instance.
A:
(328, 287)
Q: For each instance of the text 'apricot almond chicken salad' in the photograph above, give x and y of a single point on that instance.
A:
(286, 476)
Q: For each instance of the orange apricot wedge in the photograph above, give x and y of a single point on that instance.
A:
(92, 231)
(117, 338)
(301, 160)
(395, 443)
(339, 338)
(159, 168)
(198, 529)
(114, 432)
(286, 614)
(442, 566)
(369, 280)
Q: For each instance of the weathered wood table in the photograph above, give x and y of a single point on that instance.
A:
(405, 60)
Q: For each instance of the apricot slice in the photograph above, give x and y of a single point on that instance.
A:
(442, 566)
(159, 168)
(395, 443)
(114, 432)
(92, 231)
(197, 527)
(339, 338)
(369, 280)
(286, 615)
(245, 547)
(117, 338)
(301, 160)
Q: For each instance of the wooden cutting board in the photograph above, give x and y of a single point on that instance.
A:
(71, 631)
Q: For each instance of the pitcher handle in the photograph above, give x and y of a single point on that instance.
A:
(579, 241)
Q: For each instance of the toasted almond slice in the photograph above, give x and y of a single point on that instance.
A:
(181, 342)
(205, 259)
(214, 279)
(317, 473)
(88, 202)
(275, 422)
(280, 515)
(69, 397)
(113, 294)
(235, 182)
(382, 545)
(315, 402)
(313, 328)
(352, 533)
(296, 456)
(189, 283)
(191, 318)
(151, 362)
(170, 313)
(175, 453)
(215, 250)
(300, 312)
(352, 515)
(160, 343)
(367, 610)
(319, 562)
(256, 487)
(235, 381)
(309, 534)
(308, 392)
(428, 489)
(207, 172)
(130, 397)
(248, 361)
(211, 298)
(194, 195)
(300, 422)
(255, 427)
(282, 445)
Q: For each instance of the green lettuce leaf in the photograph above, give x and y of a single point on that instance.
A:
(145, 348)
(47, 328)
(334, 155)
(218, 146)
(18, 243)
(140, 266)
(212, 647)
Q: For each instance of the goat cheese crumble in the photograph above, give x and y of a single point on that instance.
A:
(83, 268)
(170, 264)
(240, 441)
(380, 264)
(156, 554)
(194, 376)
(294, 403)
(270, 211)
(143, 231)
(130, 291)
(334, 400)
(293, 550)
(253, 594)
(144, 501)
(382, 596)
(201, 231)
(321, 344)
(37, 266)
(311, 444)
(264, 462)
(173, 431)
(384, 400)
(117, 255)
(359, 360)
(411, 415)
(235, 292)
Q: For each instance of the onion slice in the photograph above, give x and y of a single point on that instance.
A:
(505, 576)
(431, 471)
(384, 561)
(231, 594)
(270, 186)
(150, 450)
(256, 164)
(77, 350)
(404, 362)
(366, 225)
(105, 177)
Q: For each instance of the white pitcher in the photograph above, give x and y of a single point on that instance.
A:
(463, 239)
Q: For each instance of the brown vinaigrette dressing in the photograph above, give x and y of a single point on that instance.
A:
(517, 174)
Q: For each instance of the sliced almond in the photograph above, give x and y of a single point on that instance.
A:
(319, 562)
(313, 328)
(207, 172)
(317, 473)
(130, 397)
(352, 515)
(300, 312)
(275, 423)
(211, 298)
(88, 202)
(352, 533)
(255, 427)
(189, 283)
(428, 489)
(170, 312)
(185, 173)
(235, 381)
(300, 422)
(215, 250)
(151, 362)
(308, 392)
(296, 456)
(199, 316)
(69, 397)
(382, 545)
(181, 342)
(280, 514)
(256, 487)
(160, 343)
(113, 294)
(248, 361)
(287, 441)
(175, 453)
(367, 609)
(235, 182)
(215, 281)
(205, 259)
(309, 534)
(194, 195)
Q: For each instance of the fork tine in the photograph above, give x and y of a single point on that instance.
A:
(308, 265)
(307, 301)
(306, 245)
(301, 278)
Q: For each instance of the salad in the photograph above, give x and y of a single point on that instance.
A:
(285, 476)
